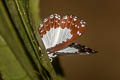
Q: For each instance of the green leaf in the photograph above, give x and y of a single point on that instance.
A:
(13, 60)
(20, 56)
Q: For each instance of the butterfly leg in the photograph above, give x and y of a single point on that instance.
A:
(51, 56)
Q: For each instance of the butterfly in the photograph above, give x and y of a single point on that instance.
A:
(58, 34)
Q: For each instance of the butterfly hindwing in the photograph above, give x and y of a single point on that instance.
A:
(57, 32)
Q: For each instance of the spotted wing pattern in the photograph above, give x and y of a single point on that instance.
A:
(57, 32)
(75, 48)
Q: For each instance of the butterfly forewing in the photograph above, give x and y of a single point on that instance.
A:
(58, 32)
(75, 48)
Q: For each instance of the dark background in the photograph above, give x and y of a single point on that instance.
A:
(102, 34)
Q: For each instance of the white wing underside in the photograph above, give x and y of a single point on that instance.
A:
(55, 36)
(68, 50)
(75, 48)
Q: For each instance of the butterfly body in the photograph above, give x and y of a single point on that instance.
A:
(57, 33)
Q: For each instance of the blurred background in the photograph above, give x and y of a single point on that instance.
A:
(102, 34)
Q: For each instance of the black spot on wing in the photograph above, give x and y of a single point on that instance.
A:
(82, 48)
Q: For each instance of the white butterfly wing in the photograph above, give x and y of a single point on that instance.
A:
(75, 48)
